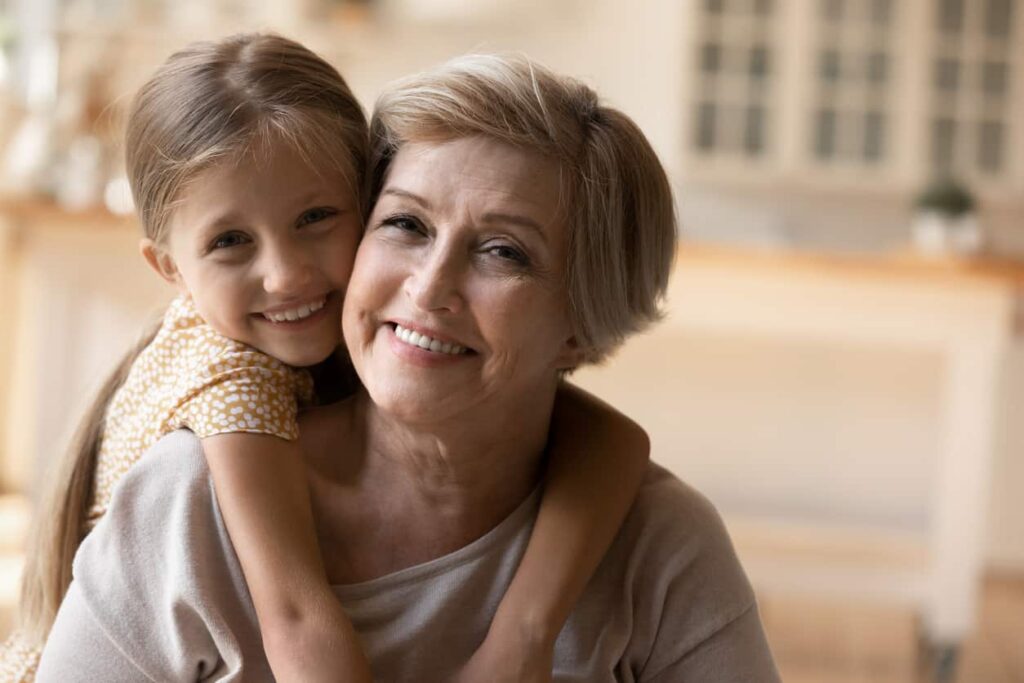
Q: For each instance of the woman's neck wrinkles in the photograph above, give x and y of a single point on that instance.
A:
(468, 470)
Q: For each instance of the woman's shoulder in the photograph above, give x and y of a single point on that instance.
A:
(683, 575)
(668, 508)
(147, 571)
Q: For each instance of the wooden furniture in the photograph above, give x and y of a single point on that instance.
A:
(960, 313)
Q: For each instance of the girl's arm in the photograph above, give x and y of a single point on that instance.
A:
(597, 459)
(261, 487)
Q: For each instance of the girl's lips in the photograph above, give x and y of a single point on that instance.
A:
(299, 324)
(296, 311)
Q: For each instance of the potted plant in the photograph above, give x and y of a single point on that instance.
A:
(946, 219)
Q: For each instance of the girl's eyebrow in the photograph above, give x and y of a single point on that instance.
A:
(227, 220)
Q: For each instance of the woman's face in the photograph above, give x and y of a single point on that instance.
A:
(458, 297)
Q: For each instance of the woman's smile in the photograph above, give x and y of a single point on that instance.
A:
(460, 269)
(428, 340)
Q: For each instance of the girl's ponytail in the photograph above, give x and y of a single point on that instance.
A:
(60, 519)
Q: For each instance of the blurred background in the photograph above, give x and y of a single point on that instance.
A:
(841, 369)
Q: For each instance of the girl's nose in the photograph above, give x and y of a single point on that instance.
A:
(436, 282)
(287, 271)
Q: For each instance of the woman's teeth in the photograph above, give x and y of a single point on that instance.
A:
(424, 342)
(299, 313)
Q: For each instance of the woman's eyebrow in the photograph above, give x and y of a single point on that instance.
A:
(399, 192)
(489, 217)
(515, 219)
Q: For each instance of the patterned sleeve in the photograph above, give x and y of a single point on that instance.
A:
(243, 390)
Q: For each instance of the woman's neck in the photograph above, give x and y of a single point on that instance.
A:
(389, 495)
(469, 463)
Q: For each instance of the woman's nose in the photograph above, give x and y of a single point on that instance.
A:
(287, 271)
(436, 282)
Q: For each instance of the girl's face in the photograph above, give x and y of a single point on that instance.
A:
(264, 247)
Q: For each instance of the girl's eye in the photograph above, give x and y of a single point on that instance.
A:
(228, 240)
(316, 215)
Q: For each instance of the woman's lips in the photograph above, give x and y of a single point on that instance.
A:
(423, 349)
(426, 342)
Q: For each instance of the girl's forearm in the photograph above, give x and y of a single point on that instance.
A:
(597, 459)
(262, 491)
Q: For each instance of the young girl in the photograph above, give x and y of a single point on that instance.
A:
(247, 162)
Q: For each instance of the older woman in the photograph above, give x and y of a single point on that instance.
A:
(528, 230)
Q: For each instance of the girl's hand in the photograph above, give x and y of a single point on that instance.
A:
(508, 661)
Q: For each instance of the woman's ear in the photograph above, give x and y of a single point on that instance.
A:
(160, 261)
(571, 355)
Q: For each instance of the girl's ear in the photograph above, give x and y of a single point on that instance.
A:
(160, 261)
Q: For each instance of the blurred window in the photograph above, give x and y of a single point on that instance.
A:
(753, 137)
(711, 57)
(994, 78)
(972, 77)
(874, 136)
(706, 115)
(951, 15)
(999, 18)
(825, 134)
(947, 74)
(990, 146)
(830, 65)
(881, 11)
(759, 62)
(854, 72)
(735, 70)
(878, 67)
(943, 143)
(832, 10)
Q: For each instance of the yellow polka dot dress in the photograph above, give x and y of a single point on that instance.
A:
(190, 376)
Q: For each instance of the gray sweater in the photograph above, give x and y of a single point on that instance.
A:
(158, 595)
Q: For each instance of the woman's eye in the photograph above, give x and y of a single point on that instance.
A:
(316, 215)
(228, 240)
(507, 253)
(404, 223)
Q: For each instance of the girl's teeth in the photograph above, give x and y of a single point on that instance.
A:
(299, 313)
(424, 342)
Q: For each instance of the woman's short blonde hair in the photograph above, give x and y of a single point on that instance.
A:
(621, 217)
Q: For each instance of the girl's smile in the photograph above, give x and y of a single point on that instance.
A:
(264, 245)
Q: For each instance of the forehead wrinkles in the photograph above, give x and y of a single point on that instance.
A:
(468, 167)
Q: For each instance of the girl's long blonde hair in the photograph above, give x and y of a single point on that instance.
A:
(209, 103)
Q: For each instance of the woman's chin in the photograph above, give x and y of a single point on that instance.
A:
(410, 407)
